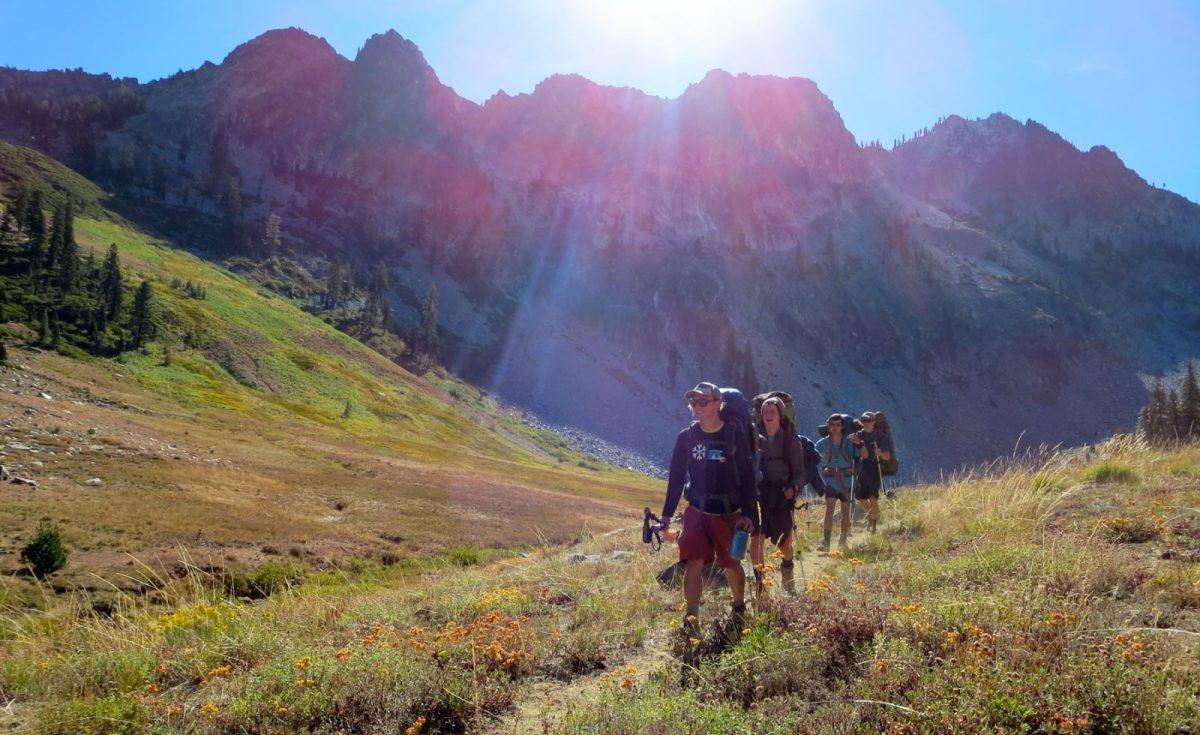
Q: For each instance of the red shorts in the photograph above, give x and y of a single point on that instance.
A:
(705, 535)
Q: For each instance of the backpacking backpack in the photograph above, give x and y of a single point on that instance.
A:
(740, 414)
(789, 408)
(887, 467)
(850, 425)
(812, 464)
(787, 423)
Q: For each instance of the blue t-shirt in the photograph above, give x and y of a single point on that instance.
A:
(837, 456)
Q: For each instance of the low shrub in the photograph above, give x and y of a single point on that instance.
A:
(45, 553)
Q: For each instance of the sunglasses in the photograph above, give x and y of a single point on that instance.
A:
(700, 402)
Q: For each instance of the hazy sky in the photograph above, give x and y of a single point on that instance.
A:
(1122, 74)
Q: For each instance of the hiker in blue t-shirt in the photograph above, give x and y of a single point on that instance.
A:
(838, 463)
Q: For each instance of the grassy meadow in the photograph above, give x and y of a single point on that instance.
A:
(1058, 596)
(250, 434)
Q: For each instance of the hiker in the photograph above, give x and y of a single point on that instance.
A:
(872, 446)
(711, 468)
(838, 455)
(783, 476)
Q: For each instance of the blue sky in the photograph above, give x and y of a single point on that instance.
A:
(1121, 74)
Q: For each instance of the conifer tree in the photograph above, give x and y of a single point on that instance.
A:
(429, 323)
(3, 353)
(110, 284)
(141, 320)
(35, 230)
(54, 248)
(271, 240)
(1189, 404)
(19, 209)
(1170, 428)
(44, 328)
(68, 266)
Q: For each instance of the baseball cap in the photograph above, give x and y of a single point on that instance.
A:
(704, 389)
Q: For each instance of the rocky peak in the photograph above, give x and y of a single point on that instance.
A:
(395, 94)
(290, 45)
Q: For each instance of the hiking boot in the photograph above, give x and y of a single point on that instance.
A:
(824, 544)
(842, 544)
(872, 525)
(789, 581)
(737, 616)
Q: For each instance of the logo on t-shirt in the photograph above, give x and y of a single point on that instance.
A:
(702, 453)
(698, 452)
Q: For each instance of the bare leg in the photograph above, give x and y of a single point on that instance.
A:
(830, 504)
(757, 561)
(737, 584)
(847, 507)
(693, 585)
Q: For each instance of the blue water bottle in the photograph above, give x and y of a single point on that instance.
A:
(737, 551)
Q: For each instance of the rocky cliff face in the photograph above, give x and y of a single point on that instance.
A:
(599, 249)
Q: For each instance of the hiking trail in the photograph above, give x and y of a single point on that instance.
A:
(544, 702)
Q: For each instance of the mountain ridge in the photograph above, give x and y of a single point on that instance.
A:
(987, 265)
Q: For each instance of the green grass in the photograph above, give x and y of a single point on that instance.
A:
(21, 166)
(1108, 472)
(1039, 626)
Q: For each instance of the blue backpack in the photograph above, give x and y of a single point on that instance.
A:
(740, 413)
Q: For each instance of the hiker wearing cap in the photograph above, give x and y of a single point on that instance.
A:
(872, 446)
(711, 468)
(838, 456)
(783, 476)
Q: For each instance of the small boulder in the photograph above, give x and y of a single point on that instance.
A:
(582, 558)
(25, 481)
(5, 475)
(94, 482)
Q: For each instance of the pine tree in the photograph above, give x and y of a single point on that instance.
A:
(35, 230)
(3, 353)
(141, 320)
(1155, 414)
(19, 209)
(429, 342)
(68, 267)
(1189, 404)
(110, 284)
(54, 248)
(335, 283)
(1170, 428)
(44, 328)
(271, 241)
(377, 310)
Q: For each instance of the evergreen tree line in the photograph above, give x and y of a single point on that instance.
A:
(46, 282)
(1172, 414)
(342, 285)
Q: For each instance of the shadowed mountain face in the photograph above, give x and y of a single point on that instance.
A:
(598, 250)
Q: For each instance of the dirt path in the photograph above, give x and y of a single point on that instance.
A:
(543, 702)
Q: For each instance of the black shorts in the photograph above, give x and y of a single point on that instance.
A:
(869, 480)
(838, 487)
(775, 523)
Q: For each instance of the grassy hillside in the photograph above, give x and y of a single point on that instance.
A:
(250, 431)
(1060, 597)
